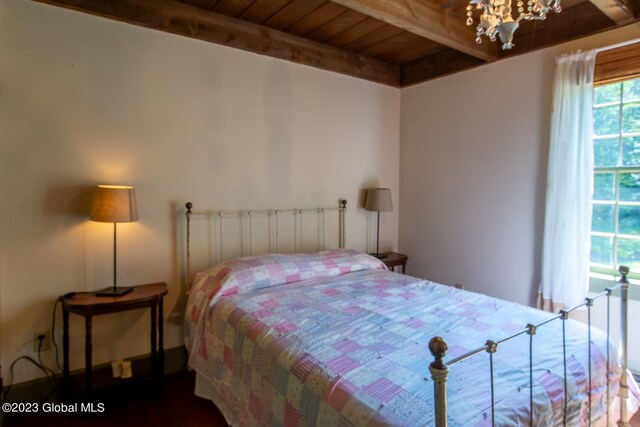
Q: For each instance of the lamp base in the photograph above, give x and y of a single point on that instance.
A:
(113, 292)
(379, 256)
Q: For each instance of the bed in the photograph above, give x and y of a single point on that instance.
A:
(334, 338)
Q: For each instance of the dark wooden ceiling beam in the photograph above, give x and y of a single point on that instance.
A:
(185, 20)
(428, 20)
(620, 12)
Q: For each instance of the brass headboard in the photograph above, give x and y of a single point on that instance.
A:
(263, 231)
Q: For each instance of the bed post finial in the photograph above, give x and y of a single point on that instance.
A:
(438, 348)
(188, 205)
(624, 272)
(439, 371)
(624, 302)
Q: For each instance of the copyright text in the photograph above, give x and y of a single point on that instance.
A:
(22, 408)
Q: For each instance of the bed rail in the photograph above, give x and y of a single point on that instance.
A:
(440, 369)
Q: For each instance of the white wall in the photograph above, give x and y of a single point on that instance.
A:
(473, 154)
(85, 100)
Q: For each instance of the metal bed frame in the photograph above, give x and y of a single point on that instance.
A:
(440, 369)
(273, 230)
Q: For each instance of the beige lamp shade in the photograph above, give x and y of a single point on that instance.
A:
(114, 203)
(378, 200)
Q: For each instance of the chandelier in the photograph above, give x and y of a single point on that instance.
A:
(496, 17)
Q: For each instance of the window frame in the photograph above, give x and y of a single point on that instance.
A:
(617, 171)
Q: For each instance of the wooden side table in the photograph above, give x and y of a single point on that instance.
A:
(88, 304)
(394, 259)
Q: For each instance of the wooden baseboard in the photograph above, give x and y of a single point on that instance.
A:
(175, 360)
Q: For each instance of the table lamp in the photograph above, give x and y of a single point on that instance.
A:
(378, 200)
(114, 203)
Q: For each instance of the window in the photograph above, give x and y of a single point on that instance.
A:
(615, 227)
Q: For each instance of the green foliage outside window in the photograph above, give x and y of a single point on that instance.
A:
(615, 228)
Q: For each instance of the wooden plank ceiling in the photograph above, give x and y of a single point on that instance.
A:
(394, 42)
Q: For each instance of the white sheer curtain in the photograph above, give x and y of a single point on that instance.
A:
(566, 245)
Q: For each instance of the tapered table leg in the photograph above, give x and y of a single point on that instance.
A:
(88, 351)
(161, 339)
(154, 343)
(65, 352)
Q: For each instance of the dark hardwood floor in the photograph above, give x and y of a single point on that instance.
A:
(174, 405)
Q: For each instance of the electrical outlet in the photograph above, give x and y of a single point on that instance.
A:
(46, 342)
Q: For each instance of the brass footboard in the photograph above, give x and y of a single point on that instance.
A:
(440, 369)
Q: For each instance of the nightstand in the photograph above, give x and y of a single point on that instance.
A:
(88, 304)
(394, 259)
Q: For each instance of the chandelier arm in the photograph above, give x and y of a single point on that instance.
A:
(531, 17)
(488, 9)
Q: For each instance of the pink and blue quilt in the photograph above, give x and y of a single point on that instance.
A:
(334, 338)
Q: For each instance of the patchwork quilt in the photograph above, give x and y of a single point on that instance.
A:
(333, 338)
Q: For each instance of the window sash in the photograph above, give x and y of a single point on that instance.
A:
(617, 172)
